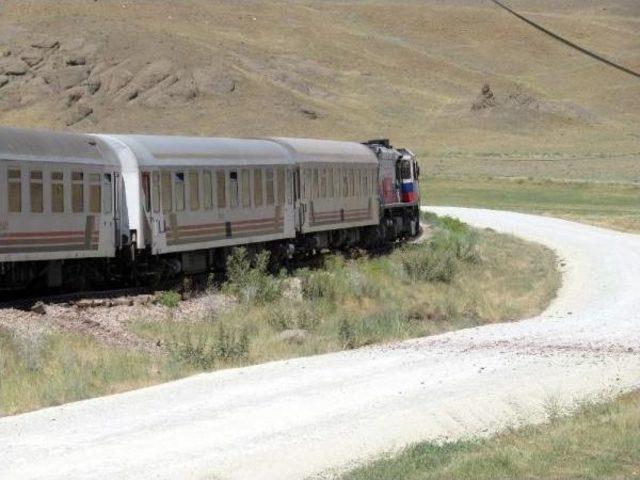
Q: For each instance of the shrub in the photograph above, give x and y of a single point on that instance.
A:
(249, 279)
(288, 315)
(169, 299)
(451, 242)
(428, 264)
(318, 284)
(204, 351)
(457, 237)
(360, 284)
(347, 334)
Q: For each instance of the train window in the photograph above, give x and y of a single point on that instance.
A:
(372, 181)
(257, 187)
(57, 192)
(352, 181)
(314, 184)
(155, 191)
(35, 191)
(280, 186)
(246, 188)
(345, 182)
(221, 190)
(146, 191)
(288, 188)
(208, 189)
(270, 195)
(323, 183)
(307, 183)
(194, 190)
(167, 194)
(95, 193)
(234, 197)
(179, 190)
(405, 170)
(15, 191)
(107, 188)
(330, 182)
(77, 192)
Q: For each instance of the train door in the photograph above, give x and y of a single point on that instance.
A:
(116, 186)
(108, 213)
(289, 206)
(149, 222)
(297, 200)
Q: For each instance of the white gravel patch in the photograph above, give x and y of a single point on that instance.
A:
(291, 419)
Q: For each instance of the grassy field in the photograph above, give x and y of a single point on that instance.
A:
(600, 441)
(611, 205)
(458, 278)
(404, 69)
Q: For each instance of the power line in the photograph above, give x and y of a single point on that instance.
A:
(568, 42)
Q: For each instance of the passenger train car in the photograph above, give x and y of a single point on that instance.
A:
(78, 210)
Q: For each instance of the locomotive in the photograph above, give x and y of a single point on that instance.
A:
(79, 210)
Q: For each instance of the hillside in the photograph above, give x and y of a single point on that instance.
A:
(412, 71)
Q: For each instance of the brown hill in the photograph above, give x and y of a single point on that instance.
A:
(409, 70)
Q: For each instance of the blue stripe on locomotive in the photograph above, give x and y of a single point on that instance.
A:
(407, 186)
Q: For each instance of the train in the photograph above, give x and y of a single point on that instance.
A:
(79, 210)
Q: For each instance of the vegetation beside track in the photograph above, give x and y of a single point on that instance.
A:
(607, 204)
(599, 441)
(458, 277)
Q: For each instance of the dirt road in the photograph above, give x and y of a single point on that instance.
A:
(290, 419)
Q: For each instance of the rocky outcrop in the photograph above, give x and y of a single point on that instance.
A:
(82, 80)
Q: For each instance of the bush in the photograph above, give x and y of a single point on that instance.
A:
(428, 264)
(249, 279)
(451, 242)
(360, 284)
(318, 284)
(289, 315)
(169, 299)
(347, 334)
(457, 237)
(204, 351)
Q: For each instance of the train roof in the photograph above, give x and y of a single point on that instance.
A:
(305, 150)
(176, 151)
(45, 146)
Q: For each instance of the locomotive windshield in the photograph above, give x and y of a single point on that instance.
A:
(404, 169)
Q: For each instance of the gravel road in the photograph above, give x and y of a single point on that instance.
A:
(291, 419)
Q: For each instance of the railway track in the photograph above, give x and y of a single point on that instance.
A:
(29, 301)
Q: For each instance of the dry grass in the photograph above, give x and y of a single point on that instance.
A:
(409, 70)
(599, 441)
(44, 369)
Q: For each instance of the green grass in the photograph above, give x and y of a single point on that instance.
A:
(606, 204)
(598, 441)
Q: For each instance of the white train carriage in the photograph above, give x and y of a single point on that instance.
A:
(336, 188)
(57, 203)
(187, 194)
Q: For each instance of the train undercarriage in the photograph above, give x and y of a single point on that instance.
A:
(142, 268)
